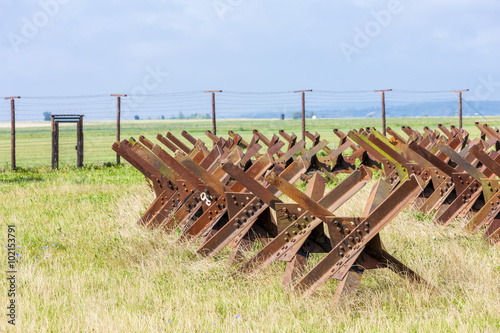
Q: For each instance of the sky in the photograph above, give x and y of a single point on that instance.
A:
(76, 47)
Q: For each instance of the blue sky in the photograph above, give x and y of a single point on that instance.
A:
(73, 47)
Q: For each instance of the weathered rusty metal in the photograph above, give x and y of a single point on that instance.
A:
(291, 139)
(228, 204)
(357, 238)
(230, 195)
(305, 220)
(264, 198)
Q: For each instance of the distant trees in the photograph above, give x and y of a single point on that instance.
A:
(192, 116)
(199, 116)
(298, 115)
(46, 116)
(179, 116)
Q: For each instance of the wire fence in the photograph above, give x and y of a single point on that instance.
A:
(192, 111)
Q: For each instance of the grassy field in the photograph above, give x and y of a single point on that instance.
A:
(85, 266)
(33, 139)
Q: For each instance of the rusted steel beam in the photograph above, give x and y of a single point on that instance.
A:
(136, 164)
(446, 131)
(189, 137)
(356, 137)
(485, 159)
(467, 194)
(396, 167)
(395, 135)
(286, 136)
(408, 131)
(275, 149)
(295, 268)
(305, 220)
(244, 187)
(154, 213)
(262, 138)
(344, 138)
(336, 160)
(167, 143)
(146, 142)
(239, 139)
(251, 152)
(462, 162)
(138, 157)
(359, 236)
(153, 160)
(315, 139)
(178, 142)
(212, 137)
(211, 191)
(167, 195)
(242, 222)
(288, 155)
(188, 199)
(490, 132)
(232, 198)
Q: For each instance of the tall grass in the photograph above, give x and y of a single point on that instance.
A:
(86, 266)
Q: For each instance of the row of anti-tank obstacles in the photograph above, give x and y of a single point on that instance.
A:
(230, 195)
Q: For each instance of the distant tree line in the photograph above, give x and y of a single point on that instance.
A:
(298, 115)
(180, 116)
(192, 116)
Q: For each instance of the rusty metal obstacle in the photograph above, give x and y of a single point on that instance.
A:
(233, 195)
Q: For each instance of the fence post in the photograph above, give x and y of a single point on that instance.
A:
(303, 112)
(79, 144)
(214, 125)
(55, 148)
(118, 115)
(383, 108)
(460, 105)
(12, 131)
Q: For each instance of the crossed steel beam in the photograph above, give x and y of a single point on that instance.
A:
(231, 195)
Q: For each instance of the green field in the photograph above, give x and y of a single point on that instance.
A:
(85, 266)
(33, 139)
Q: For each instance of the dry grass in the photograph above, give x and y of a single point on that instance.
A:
(106, 274)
